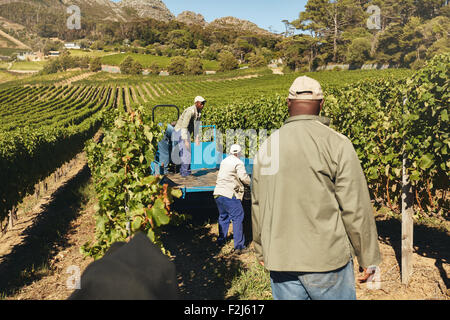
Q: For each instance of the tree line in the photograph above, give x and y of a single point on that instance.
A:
(66, 62)
(406, 33)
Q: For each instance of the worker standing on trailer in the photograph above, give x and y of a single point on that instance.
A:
(187, 124)
(228, 194)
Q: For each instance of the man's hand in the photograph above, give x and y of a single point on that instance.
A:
(197, 141)
(261, 263)
(366, 275)
(187, 143)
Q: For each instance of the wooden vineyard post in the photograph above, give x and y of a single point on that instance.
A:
(407, 216)
(407, 226)
(12, 217)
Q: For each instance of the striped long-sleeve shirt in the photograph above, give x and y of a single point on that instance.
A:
(187, 122)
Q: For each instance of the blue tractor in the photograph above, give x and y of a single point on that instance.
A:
(205, 163)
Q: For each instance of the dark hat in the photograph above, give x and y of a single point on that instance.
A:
(129, 271)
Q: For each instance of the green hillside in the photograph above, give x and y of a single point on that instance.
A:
(146, 60)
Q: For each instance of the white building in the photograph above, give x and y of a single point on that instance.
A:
(72, 46)
(30, 56)
(22, 56)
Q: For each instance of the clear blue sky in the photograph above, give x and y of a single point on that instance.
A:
(265, 13)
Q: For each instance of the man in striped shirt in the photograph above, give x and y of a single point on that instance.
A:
(186, 125)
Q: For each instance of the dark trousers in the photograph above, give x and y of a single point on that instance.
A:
(231, 210)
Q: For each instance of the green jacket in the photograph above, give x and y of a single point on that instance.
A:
(311, 208)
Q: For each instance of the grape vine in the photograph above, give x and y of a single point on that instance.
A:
(130, 199)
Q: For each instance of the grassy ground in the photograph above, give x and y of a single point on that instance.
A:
(89, 53)
(36, 268)
(4, 65)
(28, 65)
(10, 51)
(6, 43)
(146, 60)
(40, 80)
(6, 77)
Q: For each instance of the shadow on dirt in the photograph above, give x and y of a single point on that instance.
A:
(428, 242)
(28, 261)
(203, 272)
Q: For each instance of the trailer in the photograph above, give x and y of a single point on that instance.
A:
(205, 163)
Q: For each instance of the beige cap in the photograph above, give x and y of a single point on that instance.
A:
(235, 149)
(199, 99)
(305, 88)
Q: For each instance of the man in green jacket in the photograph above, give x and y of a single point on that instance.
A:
(311, 209)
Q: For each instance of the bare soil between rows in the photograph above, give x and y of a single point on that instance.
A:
(36, 255)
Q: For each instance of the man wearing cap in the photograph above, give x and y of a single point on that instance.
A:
(228, 194)
(187, 124)
(313, 213)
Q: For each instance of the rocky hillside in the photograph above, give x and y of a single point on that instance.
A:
(48, 18)
(189, 17)
(124, 10)
(239, 24)
(233, 23)
(155, 9)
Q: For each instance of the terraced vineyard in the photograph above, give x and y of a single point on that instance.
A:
(43, 127)
(146, 60)
(220, 90)
(45, 121)
(52, 106)
(368, 107)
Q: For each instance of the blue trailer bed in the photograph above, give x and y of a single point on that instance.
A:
(205, 164)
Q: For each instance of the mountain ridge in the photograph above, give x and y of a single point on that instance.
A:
(126, 10)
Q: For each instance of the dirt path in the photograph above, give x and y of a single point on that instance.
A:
(202, 265)
(250, 76)
(36, 253)
(204, 270)
(431, 263)
(149, 95)
(277, 71)
(19, 44)
(68, 82)
(141, 94)
(127, 98)
(31, 208)
(153, 89)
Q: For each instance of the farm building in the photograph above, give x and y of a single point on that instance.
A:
(53, 54)
(30, 56)
(73, 46)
